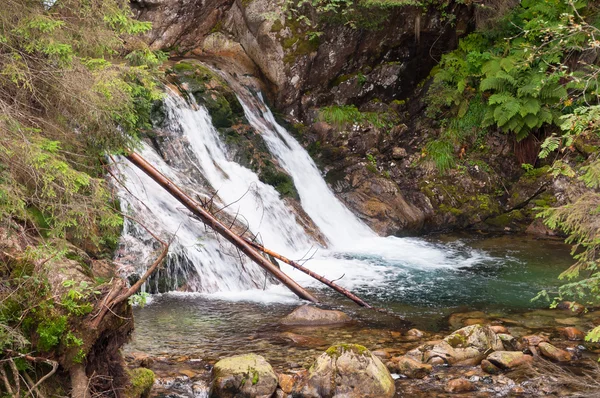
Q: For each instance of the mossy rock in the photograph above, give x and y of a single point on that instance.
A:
(247, 375)
(349, 370)
(142, 380)
(210, 90)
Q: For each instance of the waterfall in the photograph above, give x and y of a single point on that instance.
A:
(341, 227)
(194, 156)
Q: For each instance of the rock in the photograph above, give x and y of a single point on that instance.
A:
(286, 382)
(572, 333)
(459, 385)
(409, 367)
(517, 390)
(571, 306)
(533, 340)
(489, 367)
(509, 342)
(415, 333)
(554, 353)
(141, 382)
(466, 346)
(308, 315)
(303, 341)
(398, 153)
(381, 354)
(243, 375)
(499, 329)
(509, 359)
(568, 321)
(351, 371)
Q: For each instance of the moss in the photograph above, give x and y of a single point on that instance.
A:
(457, 340)
(277, 26)
(142, 380)
(281, 181)
(341, 79)
(337, 350)
(504, 220)
(210, 90)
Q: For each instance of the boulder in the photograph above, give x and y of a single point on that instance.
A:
(308, 315)
(459, 385)
(286, 383)
(350, 371)
(409, 367)
(509, 359)
(554, 353)
(509, 342)
(466, 346)
(572, 333)
(243, 375)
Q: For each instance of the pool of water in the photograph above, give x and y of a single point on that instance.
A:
(494, 274)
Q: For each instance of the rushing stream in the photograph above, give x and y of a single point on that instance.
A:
(423, 280)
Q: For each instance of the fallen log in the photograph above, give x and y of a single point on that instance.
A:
(217, 226)
(318, 277)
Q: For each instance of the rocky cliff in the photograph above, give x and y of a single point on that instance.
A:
(353, 91)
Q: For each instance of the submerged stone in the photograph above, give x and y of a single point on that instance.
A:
(307, 315)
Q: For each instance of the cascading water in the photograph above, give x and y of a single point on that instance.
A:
(201, 262)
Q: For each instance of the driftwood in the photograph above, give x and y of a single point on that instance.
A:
(318, 277)
(217, 226)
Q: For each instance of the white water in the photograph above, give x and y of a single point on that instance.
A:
(355, 253)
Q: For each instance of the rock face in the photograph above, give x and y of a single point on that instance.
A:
(243, 375)
(307, 315)
(466, 346)
(351, 371)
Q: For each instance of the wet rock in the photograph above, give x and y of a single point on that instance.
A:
(456, 320)
(533, 340)
(572, 333)
(243, 375)
(303, 341)
(351, 371)
(499, 329)
(489, 367)
(509, 359)
(466, 346)
(517, 390)
(554, 353)
(308, 315)
(509, 342)
(286, 383)
(381, 354)
(415, 333)
(460, 385)
(409, 367)
(571, 306)
(568, 321)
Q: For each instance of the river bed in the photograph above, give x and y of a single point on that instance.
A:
(506, 273)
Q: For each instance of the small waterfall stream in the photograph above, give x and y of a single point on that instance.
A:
(198, 160)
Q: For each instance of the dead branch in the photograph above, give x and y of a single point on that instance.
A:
(318, 277)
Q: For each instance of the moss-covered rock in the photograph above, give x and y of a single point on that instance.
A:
(247, 375)
(349, 370)
(142, 380)
(210, 90)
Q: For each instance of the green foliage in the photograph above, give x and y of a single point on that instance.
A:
(519, 69)
(50, 332)
(139, 299)
(442, 154)
(341, 116)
